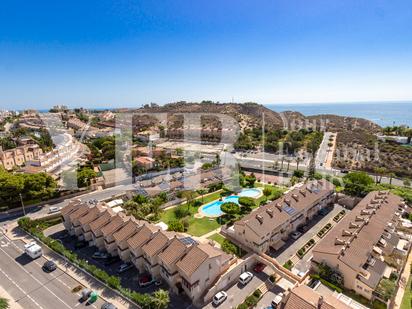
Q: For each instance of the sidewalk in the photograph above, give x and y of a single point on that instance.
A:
(403, 282)
(12, 304)
(107, 294)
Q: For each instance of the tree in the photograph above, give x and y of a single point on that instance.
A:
(229, 247)
(4, 303)
(201, 192)
(406, 182)
(247, 202)
(176, 226)
(357, 183)
(288, 162)
(298, 174)
(298, 160)
(84, 177)
(189, 195)
(380, 171)
(161, 299)
(230, 209)
(250, 180)
(391, 176)
(267, 191)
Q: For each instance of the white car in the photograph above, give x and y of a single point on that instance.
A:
(277, 300)
(245, 277)
(296, 235)
(100, 255)
(53, 209)
(219, 298)
(124, 267)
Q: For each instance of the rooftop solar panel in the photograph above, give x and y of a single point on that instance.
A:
(188, 241)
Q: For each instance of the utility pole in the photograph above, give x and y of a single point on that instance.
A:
(22, 204)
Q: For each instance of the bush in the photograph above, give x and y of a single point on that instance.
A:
(298, 173)
(243, 306)
(181, 211)
(229, 247)
(257, 293)
(251, 301)
(176, 226)
(288, 265)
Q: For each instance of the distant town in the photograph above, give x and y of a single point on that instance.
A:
(203, 205)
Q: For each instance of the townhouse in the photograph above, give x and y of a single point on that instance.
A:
(357, 246)
(17, 157)
(200, 268)
(303, 297)
(182, 262)
(123, 234)
(272, 223)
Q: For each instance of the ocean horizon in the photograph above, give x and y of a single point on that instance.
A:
(382, 113)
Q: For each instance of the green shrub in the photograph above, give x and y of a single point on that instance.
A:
(257, 293)
(251, 301)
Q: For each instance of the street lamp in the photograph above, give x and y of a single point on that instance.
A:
(22, 204)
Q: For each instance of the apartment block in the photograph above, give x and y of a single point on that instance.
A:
(271, 224)
(17, 157)
(356, 247)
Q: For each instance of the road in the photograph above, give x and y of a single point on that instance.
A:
(322, 153)
(29, 286)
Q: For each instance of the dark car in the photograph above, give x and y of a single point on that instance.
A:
(108, 306)
(303, 228)
(259, 267)
(111, 260)
(80, 244)
(49, 266)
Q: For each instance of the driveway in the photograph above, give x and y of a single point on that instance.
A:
(292, 246)
(266, 299)
(237, 293)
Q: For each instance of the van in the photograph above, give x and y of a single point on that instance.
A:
(277, 300)
(33, 250)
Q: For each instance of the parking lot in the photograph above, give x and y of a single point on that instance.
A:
(237, 293)
(129, 279)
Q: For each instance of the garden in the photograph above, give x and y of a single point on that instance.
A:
(323, 231)
(339, 216)
(302, 251)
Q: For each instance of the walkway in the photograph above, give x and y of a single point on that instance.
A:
(403, 282)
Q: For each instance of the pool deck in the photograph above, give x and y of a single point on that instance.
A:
(202, 214)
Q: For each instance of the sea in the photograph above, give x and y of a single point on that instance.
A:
(382, 113)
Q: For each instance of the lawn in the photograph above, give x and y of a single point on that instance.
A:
(217, 237)
(407, 296)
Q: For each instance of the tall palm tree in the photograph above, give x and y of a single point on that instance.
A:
(298, 160)
(281, 165)
(189, 195)
(380, 171)
(391, 176)
(288, 162)
(202, 192)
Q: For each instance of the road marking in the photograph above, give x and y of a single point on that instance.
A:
(15, 284)
(37, 280)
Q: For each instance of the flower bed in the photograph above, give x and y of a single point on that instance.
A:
(288, 265)
(302, 251)
(339, 216)
(324, 230)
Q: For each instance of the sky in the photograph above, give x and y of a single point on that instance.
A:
(128, 53)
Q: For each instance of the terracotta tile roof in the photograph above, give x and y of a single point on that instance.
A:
(174, 251)
(157, 243)
(82, 210)
(72, 206)
(104, 219)
(117, 222)
(130, 228)
(360, 230)
(196, 256)
(266, 218)
(142, 236)
(92, 215)
(303, 297)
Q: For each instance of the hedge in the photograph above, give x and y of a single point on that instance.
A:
(35, 228)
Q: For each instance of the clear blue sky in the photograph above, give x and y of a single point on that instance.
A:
(127, 53)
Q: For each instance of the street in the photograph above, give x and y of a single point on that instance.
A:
(31, 287)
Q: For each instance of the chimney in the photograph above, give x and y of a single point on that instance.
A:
(339, 241)
(303, 192)
(353, 225)
(269, 211)
(359, 218)
(279, 206)
(346, 233)
(259, 218)
(365, 212)
(287, 201)
(296, 197)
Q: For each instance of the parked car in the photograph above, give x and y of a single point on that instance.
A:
(323, 212)
(259, 267)
(219, 298)
(49, 266)
(53, 209)
(146, 281)
(277, 300)
(100, 255)
(108, 306)
(85, 294)
(303, 228)
(245, 277)
(296, 235)
(124, 267)
(111, 260)
(80, 244)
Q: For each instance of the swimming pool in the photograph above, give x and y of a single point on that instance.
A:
(213, 209)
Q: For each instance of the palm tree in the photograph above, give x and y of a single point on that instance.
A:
(189, 195)
(202, 192)
(298, 160)
(161, 299)
(391, 176)
(288, 162)
(281, 166)
(380, 171)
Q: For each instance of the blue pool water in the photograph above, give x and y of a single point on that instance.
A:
(213, 209)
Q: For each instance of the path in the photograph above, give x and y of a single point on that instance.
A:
(403, 282)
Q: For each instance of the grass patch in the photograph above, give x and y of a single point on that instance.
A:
(407, 295)
(217, 237)
(201, 226)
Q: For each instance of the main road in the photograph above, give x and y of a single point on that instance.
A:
(29, 286)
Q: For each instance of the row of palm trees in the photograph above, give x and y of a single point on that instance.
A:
(298, 160)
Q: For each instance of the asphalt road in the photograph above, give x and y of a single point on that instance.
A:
(30, 286)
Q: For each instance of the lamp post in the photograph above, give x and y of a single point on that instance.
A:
(22, 204)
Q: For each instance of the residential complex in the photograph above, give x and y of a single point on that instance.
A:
(272, 223)
(184, 263)
(356, 248)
